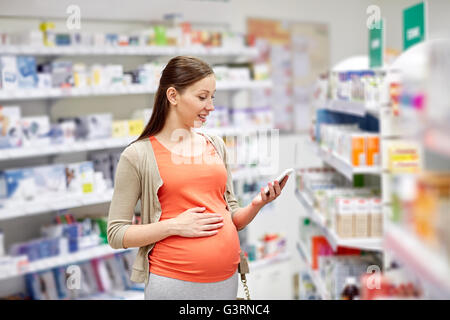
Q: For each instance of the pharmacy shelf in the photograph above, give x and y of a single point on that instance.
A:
(128, 50)
(53, 149)
(437, 140)
(268, 261)
(62, 260)
(342, 165)
(314, 274)
(234, 131)
(14, 209)
(106, 143)
(113, 90)
(372, 244)
(117, 295)
(429, 266)
(356, 108)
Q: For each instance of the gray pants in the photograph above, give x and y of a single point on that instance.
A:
(164, 288)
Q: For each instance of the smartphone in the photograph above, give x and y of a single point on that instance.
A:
(280, 178)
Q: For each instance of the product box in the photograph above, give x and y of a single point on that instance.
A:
(102, 163)
(20, 184)
(373, 156)
(8, 73)
(135, 127)
(361, 220)
(80, 177)
(80, 75)
(120, 129)
(62, 76)
(10, 131)
(344, 218)
(358, 153)
(99, 125)
(50, 180)
(81, 126)
(35, 131)
(26, 71)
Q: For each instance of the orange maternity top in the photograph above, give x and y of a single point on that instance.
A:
(197, 183)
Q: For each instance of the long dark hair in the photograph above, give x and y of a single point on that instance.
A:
(180, 72)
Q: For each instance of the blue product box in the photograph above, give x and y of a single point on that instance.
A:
(20, 184)
(26, 71)
(50, 179)
(35, 131)
(61, 285)
(10, 127)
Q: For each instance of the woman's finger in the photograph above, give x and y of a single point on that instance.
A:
(277, 188)
(209, 227)
(263, 195)
(271, 190)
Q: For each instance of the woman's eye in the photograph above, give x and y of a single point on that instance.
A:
(202, 98)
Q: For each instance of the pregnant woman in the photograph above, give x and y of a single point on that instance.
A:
(188, 241)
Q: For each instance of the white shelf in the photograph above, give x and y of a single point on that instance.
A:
(127, 50)
(100, 144)
(66, 201)
(261, 263)
(113, 90)
(77, 146)
(53, 262)
(357, 108)
(373, 244)
(314, 274)
(342, 165)
(429, 266)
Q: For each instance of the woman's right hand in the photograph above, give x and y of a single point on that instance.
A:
(194, 223)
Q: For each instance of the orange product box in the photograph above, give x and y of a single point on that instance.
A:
(316, 244)
(358, 153)
(373, 150)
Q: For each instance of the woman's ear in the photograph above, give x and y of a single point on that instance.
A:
(172, 95)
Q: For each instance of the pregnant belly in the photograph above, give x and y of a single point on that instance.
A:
(202, 259)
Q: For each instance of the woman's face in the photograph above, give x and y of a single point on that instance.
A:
(196, 102)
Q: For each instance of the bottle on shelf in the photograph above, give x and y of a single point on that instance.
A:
(351, 290)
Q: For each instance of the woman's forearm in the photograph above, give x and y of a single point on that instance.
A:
(243, 216)
(143, 235)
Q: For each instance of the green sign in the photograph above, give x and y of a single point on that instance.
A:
(414, 26)
(376, 46)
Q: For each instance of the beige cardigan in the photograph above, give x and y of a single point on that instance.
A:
(137, 177)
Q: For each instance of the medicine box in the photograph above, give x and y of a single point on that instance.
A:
(80, 177)
(120, 128)
(99, 125)
(19, 184)
(50, 180)
(27, 76)
(8, 73)
(10, 131)
(35, 131)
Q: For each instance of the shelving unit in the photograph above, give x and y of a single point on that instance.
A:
(314, 274)
(131, 50)
(342, 165)
(114, 90)
(429, 266)
(373, 244)
(53, 262)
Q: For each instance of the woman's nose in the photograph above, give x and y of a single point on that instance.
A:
(210, 106)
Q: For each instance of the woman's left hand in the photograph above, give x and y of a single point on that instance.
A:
(274, 191)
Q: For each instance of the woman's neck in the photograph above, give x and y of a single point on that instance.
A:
(175, 131)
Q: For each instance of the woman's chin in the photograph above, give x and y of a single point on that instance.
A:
(197, 124)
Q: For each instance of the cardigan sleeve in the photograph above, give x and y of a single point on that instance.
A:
(127, 191)
(229, 193)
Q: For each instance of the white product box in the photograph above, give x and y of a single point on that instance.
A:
(50, 180)
(35, 131)
(99, 125)
(10, 131)
(8, 73)
(80, 177)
